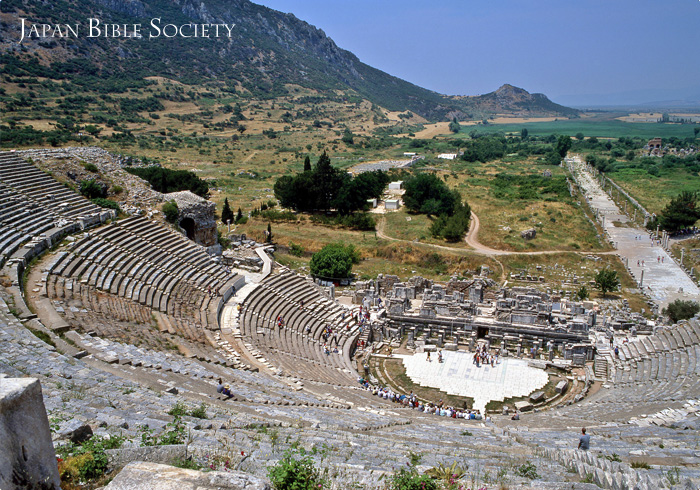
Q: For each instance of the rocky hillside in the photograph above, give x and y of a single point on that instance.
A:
(267, 50)
(518, 102)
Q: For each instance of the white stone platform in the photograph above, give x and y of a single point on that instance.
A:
(457, 375)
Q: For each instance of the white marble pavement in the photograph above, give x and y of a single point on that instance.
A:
(458, 375)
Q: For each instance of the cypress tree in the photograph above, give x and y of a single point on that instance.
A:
(226, 213)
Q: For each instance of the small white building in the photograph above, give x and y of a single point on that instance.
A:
(392, 204)
(396, 186)
(409, 153)
(372, 203)
(447, 156)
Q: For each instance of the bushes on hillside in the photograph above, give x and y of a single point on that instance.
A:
(165, 180)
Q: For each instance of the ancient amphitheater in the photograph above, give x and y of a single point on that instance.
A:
(136, 318)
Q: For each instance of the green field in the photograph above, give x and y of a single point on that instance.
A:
(590, 127)
(655, 192)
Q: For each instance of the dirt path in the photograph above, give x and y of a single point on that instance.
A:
(472, 239)
(247, 159)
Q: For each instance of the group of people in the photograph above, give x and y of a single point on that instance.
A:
(224, 389)
(411, 401)
(483, 356)
(439, 356)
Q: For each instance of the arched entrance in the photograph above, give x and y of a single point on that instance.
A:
(187, 224)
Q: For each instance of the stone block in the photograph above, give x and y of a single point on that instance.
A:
(153, 476)
(75, 430)
(561, 387)
(537, 397)
(151, 454)
(523, 406)
(27, 457)
(450, 346)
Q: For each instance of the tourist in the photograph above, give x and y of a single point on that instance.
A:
(440, 356)
(584, 442)
(227, 392)
(220, 386)
(516, 416)
(428, 357)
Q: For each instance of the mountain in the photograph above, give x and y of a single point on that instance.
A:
(518, 102)
(267, 51)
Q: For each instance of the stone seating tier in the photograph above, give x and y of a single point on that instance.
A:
(290, 347)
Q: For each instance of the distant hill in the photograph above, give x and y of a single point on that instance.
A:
(518, 102)
(268, 50)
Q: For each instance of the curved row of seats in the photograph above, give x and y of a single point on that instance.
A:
(297, 347)
(33, 205)
(650, 374)
(139, 260)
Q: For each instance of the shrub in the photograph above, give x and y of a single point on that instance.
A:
(296, 250)
(171, 211)
(106, 203)
(92, 189)
(200, 412)
(90, 167)
(408, 479)
(295, 471)
(640, 465)
(86, 461)
(527, 470)
(174, 433)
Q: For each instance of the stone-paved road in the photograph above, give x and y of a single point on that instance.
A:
(663, 281)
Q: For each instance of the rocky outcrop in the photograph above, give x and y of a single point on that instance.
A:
(528, 234)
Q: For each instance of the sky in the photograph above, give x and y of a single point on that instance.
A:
(576, 52)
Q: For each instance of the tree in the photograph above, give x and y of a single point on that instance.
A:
(324, 187)
(563, 145)
(426, 193)
(580, 136)
(307, 164)
(171, 211)
(268, 238)
(454, 126)
(681, 310)
(606, 280)
(680, 213)
(523, 134)
(552, 158)
(333, 261)
(348, 137)
(582, 293)
(226, 213)
(239, 215)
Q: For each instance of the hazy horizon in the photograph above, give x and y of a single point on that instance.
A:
(584, 53)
